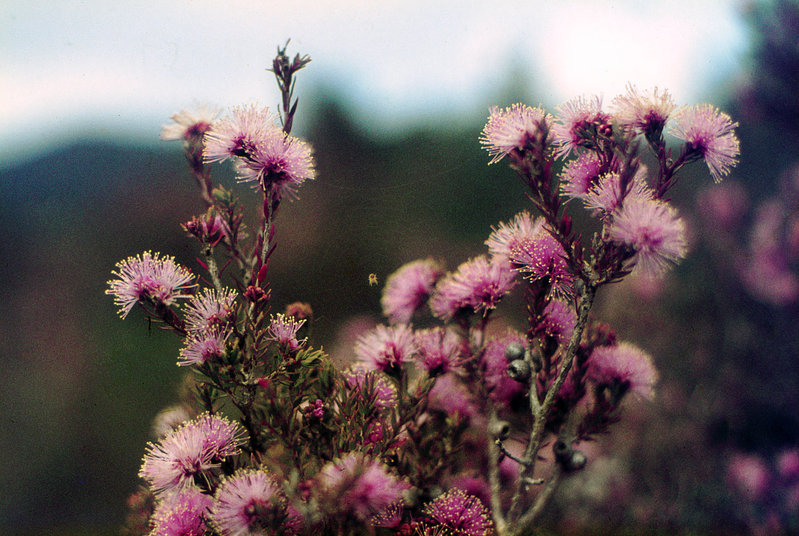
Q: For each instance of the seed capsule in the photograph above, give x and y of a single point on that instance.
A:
(500, 430)
(514, 351)
(519, 370)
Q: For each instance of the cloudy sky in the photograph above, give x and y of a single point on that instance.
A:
(97, 67)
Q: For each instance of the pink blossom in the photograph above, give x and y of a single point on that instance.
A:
(189, 124)
(653, 231)
(558, 321)
(580, 174)
(283, 329)
(379, 386)
(203, 346)
(513, 128)
(476, 286)
(788, 464)
(451, 396)
(209, 308)
(544, 257)
(464, 514)
(643, 111)
(359, 486)
(386, 348)
(710, 134)
(577, 121)
(248, 503)
(501, 387)
(149, 277)
(194, 447)
(278, 162)
(749, 475)
(723, 206)
(409, 288)
(440, 350)
(181, 513)
(508, 236)
(606, 195)
(623, 366)
(238, 134)
(168, 419)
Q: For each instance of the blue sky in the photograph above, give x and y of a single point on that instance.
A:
(97, 67)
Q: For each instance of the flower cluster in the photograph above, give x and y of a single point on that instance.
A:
(437, 427)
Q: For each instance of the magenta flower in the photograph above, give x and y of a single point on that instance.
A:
(279, 162)
(623, 366)
(181, 513)
(508, 236)
(544, 257)
(248, 503)
(653, 231)
(283, 329)
(238, 134)
(209, 309)
(513, 128)
(451, 396)
(605, 194)
(189, 124)
(501, 387)
(463, 514)
(382, 388)
(558, 321)
(749, 475)
(476, 286)
(386, 348)
(577, 121)
(186, 452)
(644, 112)
(408, 289)
(359, 486)
(580, 174)
(149, 277)
(440, 350)
(203, 346)
(710, 134)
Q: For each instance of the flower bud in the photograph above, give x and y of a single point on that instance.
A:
(514, 351)
(519, 370)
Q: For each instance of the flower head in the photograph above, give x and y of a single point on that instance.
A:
(653, 231)
(359, 486)
(439, 350)
(149, 277)
(625, 368)
(451, 396)
(577, 122)
(283, 329)
(476, 286)
(643, 111)
(386, 348)
(558, 321)
(544, 257)
(190, 449)
(203, 346)
(168, 419)
(210, 309)
(379, 386)
(710, 134)
(409, 288)
(580, 174)
(181, 513)
(508, 236)
(605, 194)
(238, 134)
(279, 162)
(189, 125)
(512, 128)
(464, 514)
(248, 503)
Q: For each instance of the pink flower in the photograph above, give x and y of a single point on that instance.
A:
(710, 134)
(238, 134)
(168, 419)
(544, 257)
(606, 195)
(248, 503)
(186, 452)
(558, 321)
(501, 387)
(749, 475)
(451, 396)
(464, 514)
(723, 206)
(283, 329)
(440, 350)
(653, 231)
(580, 174)
(643, 111)
(624, 367)
(513, 128)
(788, 464)
(149, 277)
(279, 162)
(409, 288)
(476, 286)
(210, 309)
(189, 124)
(578, 121)
(203, 346)
(359, 486)
(181, 513)
(508, 236)
(386, 348)
(372, 383)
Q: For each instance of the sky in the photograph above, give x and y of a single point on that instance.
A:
(95, 68)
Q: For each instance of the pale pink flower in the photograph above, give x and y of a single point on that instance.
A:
(194, 447)
(149, 277)
(501, 387)
(558, 321)
(623, 366)
(452, 397)
(409, 288)
(386, 348)
(440, 350)
(580, 174)
(181, 513)
(358, 486)
(203, 346)
(710, 134)
(168, 419)
(372, 383)
(238, 134)
(461, 513)
(248, 503)
(283, 329)
(606, 195)
(544, 257)
(279, 162)
(577, 121)
(645, 112)
(209, 309)
(653, 231)
(506, 237)
(749, 475)
(477, 286)
(513, 128)
(189, 124)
